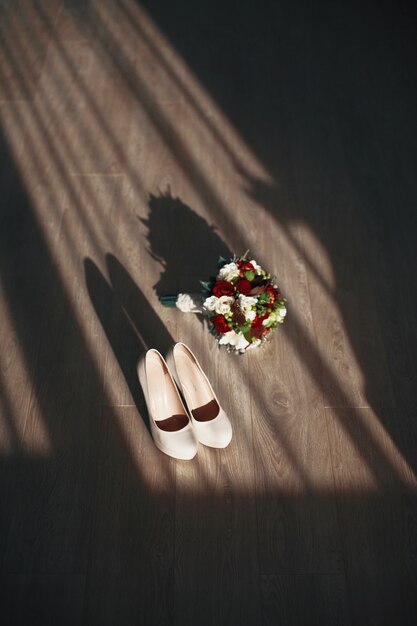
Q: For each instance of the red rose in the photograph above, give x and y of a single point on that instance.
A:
(259, 319)
(223, 288)
(257, 332)
(258, 329)
(244, 286)
(220, 324)
(245, 266)
(273, 295)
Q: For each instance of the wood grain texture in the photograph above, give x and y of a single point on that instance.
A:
(23, 26)
(131, 559)
(42, 598)
(138, 143)
(215, 510)
(377, 530)
(305, 599)
(297, 529)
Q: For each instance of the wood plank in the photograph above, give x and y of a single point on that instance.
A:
(23, 36)
(133, 524)
(344, 308)
(51, 503)
(305, 599)
(130, 599)
(42, 599)
(216, 541)
(92, 137)
(367, 449)
(7, 482)
(298, 532)
(377, 513)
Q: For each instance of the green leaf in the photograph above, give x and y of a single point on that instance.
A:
(206, 285)
(249, 276)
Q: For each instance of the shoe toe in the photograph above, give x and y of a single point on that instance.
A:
(217, 433)
(180, 445)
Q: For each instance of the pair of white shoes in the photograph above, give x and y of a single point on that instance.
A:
(176, 432)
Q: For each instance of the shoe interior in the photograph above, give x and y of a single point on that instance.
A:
(197, 392)
(206, 412)
(166, 406)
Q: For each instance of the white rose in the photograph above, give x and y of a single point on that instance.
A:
(236, 340)
(282, 312)
(256, 265)
(228, 272)
(210, 303)
(250, 315)
(223, 304)
(246, 302)
(241, 343)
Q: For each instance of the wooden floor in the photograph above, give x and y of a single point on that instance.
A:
(140, 140)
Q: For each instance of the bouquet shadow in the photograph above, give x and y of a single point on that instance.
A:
(183, 242)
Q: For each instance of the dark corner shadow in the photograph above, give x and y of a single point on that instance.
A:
(186, 245)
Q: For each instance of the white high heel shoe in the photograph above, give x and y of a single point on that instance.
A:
(171, 428)
(210, 422)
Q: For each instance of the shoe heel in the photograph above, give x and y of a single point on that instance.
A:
(171, 366)
(141, 371)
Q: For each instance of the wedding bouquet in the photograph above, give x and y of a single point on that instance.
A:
(242, 302)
